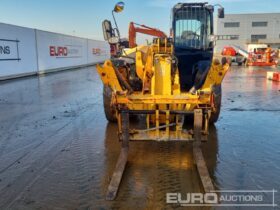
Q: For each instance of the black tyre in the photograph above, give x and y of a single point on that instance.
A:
(229, 61)
(109, 111)
(217, 90)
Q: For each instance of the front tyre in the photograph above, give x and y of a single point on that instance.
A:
(217, 93)
(110, 111)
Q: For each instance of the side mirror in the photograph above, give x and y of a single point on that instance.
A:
(221, 12)
(108, 31)
(119, 7)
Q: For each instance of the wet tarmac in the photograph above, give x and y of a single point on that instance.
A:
(57, 150)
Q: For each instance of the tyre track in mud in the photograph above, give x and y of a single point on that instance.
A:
(87, 175)
(136, 181)
(154, 169)
(82, 168)
(33, 144)
(8, 134)
(170, 180)
(30, 169)
(24, 175)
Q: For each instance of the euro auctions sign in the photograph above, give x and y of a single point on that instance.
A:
(98, 51)
(58, 51)
(67, 51)
(249, 198)
(9, 50)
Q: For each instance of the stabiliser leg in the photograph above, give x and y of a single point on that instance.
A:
(198, 156)
(122, 160)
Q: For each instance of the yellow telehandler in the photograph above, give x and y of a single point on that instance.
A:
(164, 82)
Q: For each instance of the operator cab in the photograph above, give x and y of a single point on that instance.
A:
(192, 29)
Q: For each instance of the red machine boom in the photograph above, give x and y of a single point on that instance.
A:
(144, 30)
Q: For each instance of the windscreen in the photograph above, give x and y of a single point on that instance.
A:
(192, 28)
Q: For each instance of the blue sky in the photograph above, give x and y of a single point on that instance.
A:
(84, 17)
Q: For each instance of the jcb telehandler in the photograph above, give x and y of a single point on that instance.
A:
(165, 81)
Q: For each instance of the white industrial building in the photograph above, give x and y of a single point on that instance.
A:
(244, 29)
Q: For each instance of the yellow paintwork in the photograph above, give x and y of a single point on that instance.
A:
(161, 92)
(139, 65)
(108, 75)
(215, 75)
(131, 51)
(161, 81)
(176, 85)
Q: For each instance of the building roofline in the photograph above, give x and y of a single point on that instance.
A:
(52, 32)
(267, 13)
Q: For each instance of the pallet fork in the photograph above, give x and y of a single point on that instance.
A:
(123, 157)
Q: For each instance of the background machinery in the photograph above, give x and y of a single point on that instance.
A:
(257, 55)
(164, 82)
(144, 30)
(233, 55)
(261, 55)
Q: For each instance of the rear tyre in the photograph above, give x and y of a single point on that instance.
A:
(110, 112)
(217, 91)
(229, 61)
